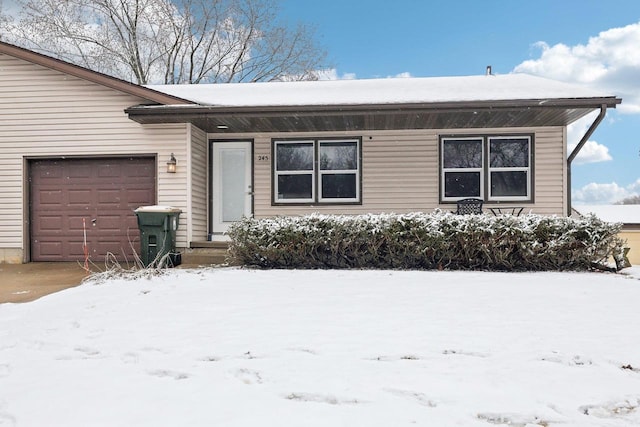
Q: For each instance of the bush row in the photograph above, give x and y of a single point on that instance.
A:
(426, 241)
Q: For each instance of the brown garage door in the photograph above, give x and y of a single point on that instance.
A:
(103, 192)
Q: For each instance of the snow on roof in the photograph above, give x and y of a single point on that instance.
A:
(626, 214)
(379, 91)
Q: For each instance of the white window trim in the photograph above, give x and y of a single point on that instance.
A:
(445, 170)
(316, 173)
(277, 173)
(355, 172)
(486, 169)
(509, 169)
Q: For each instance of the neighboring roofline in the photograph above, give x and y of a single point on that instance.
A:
(90, 75)
(597, 102)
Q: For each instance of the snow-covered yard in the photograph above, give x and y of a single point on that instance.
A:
(232, 347)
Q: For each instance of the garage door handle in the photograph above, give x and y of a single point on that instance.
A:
(93, 222)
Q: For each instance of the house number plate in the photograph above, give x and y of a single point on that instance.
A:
(263, 158)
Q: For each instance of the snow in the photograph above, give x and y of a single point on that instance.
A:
(626, 214)
(235, 347)
(157, 208)
(379, 91)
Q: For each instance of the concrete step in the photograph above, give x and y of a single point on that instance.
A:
(204, 256)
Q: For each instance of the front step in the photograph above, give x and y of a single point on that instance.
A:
(205, 253)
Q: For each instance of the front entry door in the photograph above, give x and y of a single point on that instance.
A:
(231, 184)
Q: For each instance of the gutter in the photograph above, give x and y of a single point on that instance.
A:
(574, 153)
(449, 106)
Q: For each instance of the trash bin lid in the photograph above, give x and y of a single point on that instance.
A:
(158, 208)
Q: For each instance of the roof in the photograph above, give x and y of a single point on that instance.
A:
(626, 214)
(148, 94)
(511, 100)
(426, 90)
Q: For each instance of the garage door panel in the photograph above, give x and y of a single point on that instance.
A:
(137, 197)
(109, 197)
(64, 192)
(52, 223)
(110, 223)
(75, 249)
(114, 248)
(50, 248)
(143, 171)
(112, 170)
(78, 172)
(49, 197)
(132, 223)
(74, 223)
(79, 197)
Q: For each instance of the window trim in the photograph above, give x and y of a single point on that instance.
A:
(445, 170)
(322, 172)
(316, 173)
(526, 169)
(485, 171)
(277, 173)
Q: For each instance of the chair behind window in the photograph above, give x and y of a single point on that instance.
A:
(469, 207)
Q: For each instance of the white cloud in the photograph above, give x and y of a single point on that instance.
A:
(332, 74)
(609, 61)
(592, 151)
(599, 194)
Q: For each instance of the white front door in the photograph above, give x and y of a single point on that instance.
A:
(231, 185)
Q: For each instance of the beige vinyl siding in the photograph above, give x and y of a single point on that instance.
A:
(46, 113)
(401, 172)
(198, 187)
(632, 236)
(550, 171)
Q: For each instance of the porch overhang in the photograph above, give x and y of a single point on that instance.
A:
(369, 117)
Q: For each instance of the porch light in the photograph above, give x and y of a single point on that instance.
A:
(171, 164)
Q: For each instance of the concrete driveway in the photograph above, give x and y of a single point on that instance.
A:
(28, 282)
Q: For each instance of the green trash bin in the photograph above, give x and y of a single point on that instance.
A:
(158, 225)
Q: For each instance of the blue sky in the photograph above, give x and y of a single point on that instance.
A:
(596, 43)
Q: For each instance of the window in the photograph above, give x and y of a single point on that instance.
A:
(317, 171)
(502, 162)
(295, 170)
(462, 167)
(509, 168)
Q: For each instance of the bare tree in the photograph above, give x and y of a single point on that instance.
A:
(169, 41)
(632, 200)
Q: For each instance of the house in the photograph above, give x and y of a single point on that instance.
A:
(628, 216)
(80, 150)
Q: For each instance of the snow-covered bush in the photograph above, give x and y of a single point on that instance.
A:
(426, 241)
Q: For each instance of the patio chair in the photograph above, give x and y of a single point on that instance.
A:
(469, 207)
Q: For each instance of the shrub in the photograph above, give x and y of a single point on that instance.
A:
(426, 241)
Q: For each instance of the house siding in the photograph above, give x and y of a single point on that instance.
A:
(632, 237)
(400, 171)
(46, 113)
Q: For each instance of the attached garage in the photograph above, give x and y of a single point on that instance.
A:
(102, 192)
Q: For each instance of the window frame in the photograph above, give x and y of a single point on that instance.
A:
(277, 173)
(445, 170)
(526, 169)
(316, 172)
(486, 169)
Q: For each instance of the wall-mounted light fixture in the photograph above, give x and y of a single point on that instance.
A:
(171, 164)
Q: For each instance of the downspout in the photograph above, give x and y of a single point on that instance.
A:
(574, 153)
